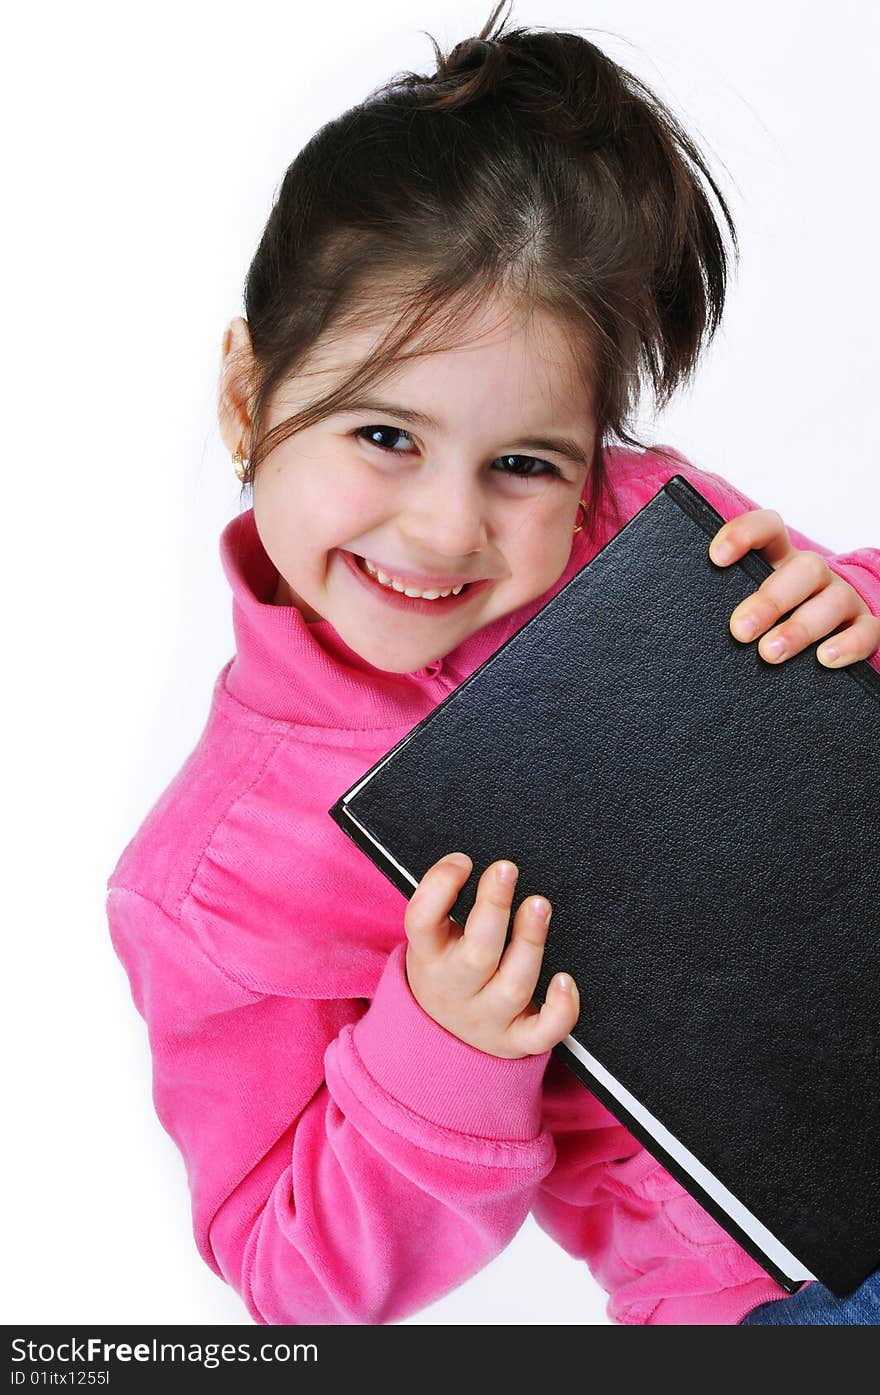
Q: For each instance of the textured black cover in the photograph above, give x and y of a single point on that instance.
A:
(706, 827)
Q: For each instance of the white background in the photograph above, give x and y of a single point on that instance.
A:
(144, 147)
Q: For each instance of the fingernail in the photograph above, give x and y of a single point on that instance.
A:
(721, 553)
(460, 859)
(541, 907)
(828, 653)
(507, 871)
(745, 626)
(776, 648)
(563, 982)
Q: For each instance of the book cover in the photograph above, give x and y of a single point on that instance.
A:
(706, 827)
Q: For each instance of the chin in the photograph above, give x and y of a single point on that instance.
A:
(390, 665)
(388, 660)
(408, 668)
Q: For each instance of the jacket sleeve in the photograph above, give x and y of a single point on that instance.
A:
(662, 1259)
(347, 1162)
(859, 566)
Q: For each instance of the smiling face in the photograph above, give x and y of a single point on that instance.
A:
(449, 484)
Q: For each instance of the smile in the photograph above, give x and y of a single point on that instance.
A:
(397, 598)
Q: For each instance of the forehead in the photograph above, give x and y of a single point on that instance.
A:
(495, 358)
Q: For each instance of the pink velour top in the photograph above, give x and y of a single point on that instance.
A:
(349, 1160)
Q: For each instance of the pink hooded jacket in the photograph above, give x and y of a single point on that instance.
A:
(349, 1160)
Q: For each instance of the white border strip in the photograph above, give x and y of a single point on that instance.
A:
(792, 1267)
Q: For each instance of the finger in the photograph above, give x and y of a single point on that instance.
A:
(761, 529)
(426, 919)
(475, 957)
(858, 641)
(514, 984)
(557, 1017)
(833, 605)
(804, 575)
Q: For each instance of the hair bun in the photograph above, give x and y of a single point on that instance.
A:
(469, 56)
(473, 68)
(558, 81)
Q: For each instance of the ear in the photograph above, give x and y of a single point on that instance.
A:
(235, 387)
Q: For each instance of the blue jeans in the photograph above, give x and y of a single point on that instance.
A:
(814, 1306)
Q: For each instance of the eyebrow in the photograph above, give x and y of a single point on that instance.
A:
(558, 445)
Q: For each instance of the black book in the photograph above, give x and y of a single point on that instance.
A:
(706, 827)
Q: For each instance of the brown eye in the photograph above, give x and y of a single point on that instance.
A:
(372, 432)
(546, 467)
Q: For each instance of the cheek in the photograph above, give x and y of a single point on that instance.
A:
(315, 506)
(544, 552)
(349, 509)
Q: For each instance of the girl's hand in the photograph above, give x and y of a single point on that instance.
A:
(456, 977)
(824, 601)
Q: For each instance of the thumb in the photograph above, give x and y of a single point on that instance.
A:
(565, 991)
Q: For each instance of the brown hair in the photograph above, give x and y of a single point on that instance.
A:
(529, 163)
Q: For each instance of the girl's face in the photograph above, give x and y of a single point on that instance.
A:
(465, 465)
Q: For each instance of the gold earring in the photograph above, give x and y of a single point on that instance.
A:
(582, 503)
(241, 464)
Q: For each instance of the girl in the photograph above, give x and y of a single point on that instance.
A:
(446, 319)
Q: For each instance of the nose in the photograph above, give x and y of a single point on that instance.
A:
(445, 520)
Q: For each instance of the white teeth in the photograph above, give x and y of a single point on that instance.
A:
(392, 581)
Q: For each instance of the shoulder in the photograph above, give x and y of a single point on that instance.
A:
(160, 860)
(240, 855)
(636, 476)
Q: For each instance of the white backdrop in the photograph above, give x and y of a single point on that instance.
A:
(144, 146)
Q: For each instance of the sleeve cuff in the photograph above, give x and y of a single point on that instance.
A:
(862, 572)
(776, 1292)
(446, 1081)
